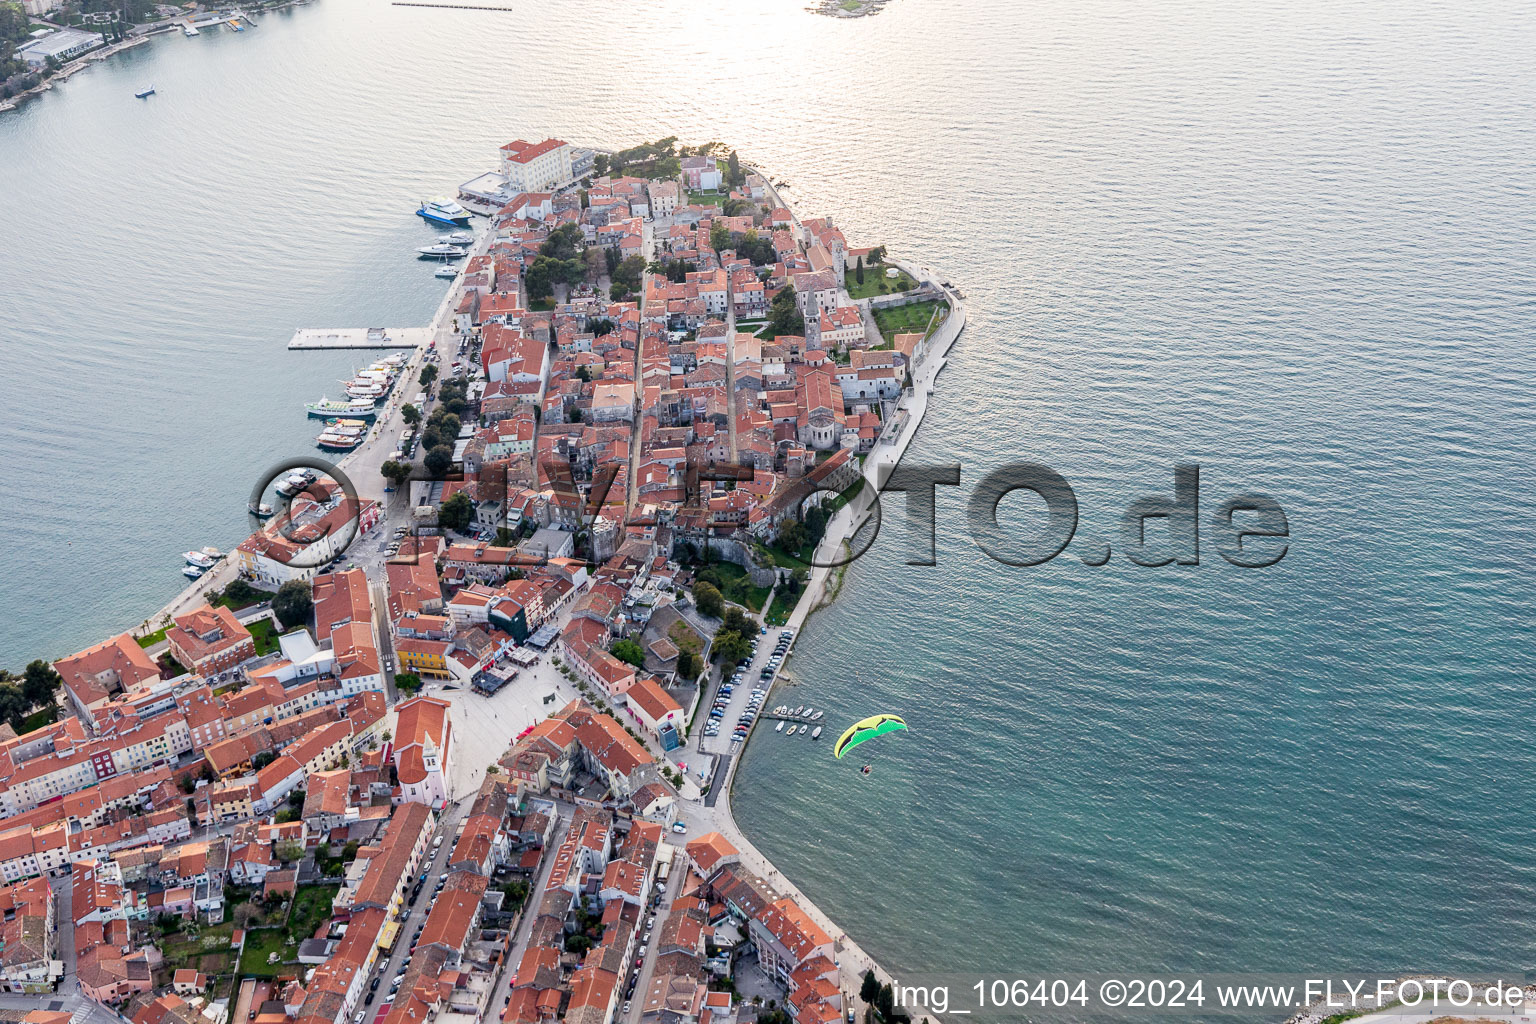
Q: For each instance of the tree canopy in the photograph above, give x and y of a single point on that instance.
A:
(293, 602)
(456, 513)
(629, 651)
(707, 599)
(784, 315)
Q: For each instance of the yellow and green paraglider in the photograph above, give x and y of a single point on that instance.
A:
(866, 729)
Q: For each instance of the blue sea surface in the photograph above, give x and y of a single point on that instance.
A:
(1292, 243)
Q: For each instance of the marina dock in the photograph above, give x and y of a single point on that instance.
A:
(315, 338)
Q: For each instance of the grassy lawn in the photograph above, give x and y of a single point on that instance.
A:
(264, 632)
(208, 951)
(153, 638)
(876, 283)
(734, 584)
(707, 198)
(39, 718)
(311, 908)
(685, 638)
(259, 943)
(779, 611)
(909, 319)
(786, 559)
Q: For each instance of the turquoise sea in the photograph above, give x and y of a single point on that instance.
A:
(1292, 243)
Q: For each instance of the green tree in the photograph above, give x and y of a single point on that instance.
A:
(628, 651)
(428, 374)
(730, 646)
(719, 236)
(707, 599)
(292, 603)
(858, 270)
(262, 759)
(410, 414)
(815, 524)
(870, 989)
(40, 683)
(456, 513)
(735, 619)
(406, 682)
(438, 460)
(600, 164)
(397, 473)
(626, 277)
(733, 174)
(784, 315)
(687, 665)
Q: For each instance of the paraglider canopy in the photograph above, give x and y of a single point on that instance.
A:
(866, 729)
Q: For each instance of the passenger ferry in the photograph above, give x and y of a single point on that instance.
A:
(360, 408)
(442, 210)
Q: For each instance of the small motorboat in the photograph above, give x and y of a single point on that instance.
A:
(866, 769)
(213, 553)
(796, 713)
(780, 726)
(192, 572)
(816, 717)
(443, 251)
(803, 728)
(198, 559)
(446, 272)
(461, 238)
(261, 510)
(816, 733)
(143, 94)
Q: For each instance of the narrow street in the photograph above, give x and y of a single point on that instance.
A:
(503, 986)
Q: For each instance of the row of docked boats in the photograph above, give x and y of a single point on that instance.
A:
(797, 721)
(199, 562)
(347, 420)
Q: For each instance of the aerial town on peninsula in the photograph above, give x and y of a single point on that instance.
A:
(477, 764)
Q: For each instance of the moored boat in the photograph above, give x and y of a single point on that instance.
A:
(198, 559)
(461, 238)
(816, 733)
(780, 726)
(361, 408)
(442, 210)
(445, 272)
(144, 93)
(443, 251)
(261, 510)
(192, 572)
(803, 728)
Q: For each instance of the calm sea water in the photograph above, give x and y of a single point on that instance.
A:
(1290, 242)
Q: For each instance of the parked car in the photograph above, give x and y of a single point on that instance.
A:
(679, 826)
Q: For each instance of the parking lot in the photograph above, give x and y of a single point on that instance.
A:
(742, 695)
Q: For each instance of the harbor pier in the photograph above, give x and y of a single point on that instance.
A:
(315, 338)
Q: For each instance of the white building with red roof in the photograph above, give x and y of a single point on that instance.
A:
(423, 739)
(536, 166)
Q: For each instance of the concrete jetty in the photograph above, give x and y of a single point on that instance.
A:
(314, 338)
